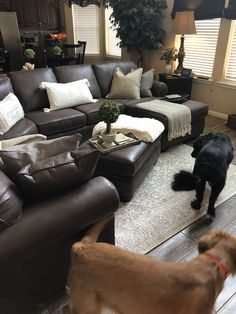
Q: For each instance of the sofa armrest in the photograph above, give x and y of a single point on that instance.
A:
(159, 89)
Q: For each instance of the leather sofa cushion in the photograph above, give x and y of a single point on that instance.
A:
(57, 174)
(58, 121)
(5, 87)
(26, 87)
(126, 162)
(91, 110)
(71, 73)
(18, 156)
(22, 127)
(54, 220)
(104, 73)
(198, 109)
(10, 202)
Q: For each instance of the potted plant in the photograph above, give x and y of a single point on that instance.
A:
(138, 26)
(168, 55)
(56, 50)
(29, 53)
(109, 113)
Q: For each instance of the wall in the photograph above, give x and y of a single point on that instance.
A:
(220, 96)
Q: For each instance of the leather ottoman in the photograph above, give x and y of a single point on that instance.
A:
(127, 167)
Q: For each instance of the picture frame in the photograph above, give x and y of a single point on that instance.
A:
(186, 72)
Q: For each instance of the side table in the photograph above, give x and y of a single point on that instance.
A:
(177, 84)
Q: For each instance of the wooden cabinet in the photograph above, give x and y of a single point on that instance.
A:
(31, 12)
(5, 5)
(49, 13)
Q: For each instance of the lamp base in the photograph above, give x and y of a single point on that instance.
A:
(181, 55)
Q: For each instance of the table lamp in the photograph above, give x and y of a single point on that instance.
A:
(184, 24)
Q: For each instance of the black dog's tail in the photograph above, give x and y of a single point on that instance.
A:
(184, 181)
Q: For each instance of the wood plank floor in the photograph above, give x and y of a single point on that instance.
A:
(183, 246)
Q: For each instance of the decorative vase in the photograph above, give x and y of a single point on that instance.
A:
(108, 138)
(168, 69)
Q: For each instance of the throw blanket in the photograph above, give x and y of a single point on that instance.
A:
(22, 140)
(144, 129)
(179, 116)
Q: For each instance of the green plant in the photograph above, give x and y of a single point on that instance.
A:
(29, 53)
(168, 55)
(109, 113)
(56, 50)
(138, 23)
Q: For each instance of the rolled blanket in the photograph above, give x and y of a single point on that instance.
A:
(179, 116)
(145, 129)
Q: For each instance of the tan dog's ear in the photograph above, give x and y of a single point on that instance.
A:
(208, 241)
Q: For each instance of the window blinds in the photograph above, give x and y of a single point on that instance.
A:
(86, 27)
(200, 48)
(231, 67)
(111, 41)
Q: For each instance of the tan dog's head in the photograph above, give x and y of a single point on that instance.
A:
(222, 240)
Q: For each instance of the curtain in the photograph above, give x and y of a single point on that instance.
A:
(203, 9)
(230, 12)
(85, 3)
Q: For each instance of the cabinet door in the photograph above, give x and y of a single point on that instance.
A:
(5, 5)
(26, 12)
(49, 13)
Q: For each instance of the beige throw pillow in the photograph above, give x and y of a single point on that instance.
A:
(126, 86)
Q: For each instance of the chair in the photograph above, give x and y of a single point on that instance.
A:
(75, 52)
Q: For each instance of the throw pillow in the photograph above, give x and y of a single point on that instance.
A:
(146, 83)
(57, 174)
(126, 86)
(10, 202)
(17, 157)
(11, 112)
(68, 95)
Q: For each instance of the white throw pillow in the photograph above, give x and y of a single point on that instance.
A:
(67, 95)
(11, 112)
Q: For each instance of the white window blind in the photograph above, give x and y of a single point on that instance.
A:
(200, 48)
(111, 41)
(86, 27)
(231, 67)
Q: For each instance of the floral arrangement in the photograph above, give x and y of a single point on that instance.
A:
(29, 53)
(168, 55)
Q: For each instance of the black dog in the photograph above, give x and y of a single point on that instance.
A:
(213, 153)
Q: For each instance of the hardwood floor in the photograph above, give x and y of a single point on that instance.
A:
(183, 246)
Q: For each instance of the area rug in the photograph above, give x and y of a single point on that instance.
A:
(156, 212)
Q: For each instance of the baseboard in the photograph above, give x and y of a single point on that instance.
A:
(218, 114)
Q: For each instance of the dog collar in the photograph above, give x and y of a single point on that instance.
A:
(220, 265)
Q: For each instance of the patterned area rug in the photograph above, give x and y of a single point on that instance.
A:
(156, 212)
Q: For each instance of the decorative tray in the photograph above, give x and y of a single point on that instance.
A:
(121, 141)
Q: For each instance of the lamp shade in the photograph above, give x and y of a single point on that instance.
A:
(184, 23)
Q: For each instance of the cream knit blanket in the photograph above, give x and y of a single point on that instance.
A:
(145, 129)
(179, 116)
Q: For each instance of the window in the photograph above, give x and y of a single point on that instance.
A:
(200, 48)
(111, 41)
(231, 67)
(86, 27)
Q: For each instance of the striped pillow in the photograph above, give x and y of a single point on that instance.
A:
(11, 112)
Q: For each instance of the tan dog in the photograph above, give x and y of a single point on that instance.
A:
(128, 283)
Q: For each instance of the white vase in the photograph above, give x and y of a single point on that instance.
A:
(168, 68)
(108, 138)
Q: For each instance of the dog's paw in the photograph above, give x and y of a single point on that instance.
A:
(195, 204)
(210, 218)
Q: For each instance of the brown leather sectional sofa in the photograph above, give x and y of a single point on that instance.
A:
(34, 252)
(25, 84)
